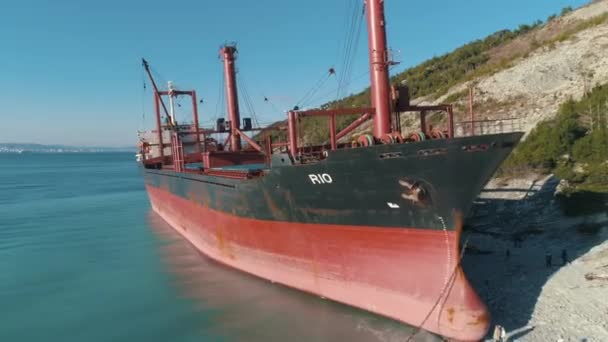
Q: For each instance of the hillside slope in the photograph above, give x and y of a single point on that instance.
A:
(565, 66)
(525, 73)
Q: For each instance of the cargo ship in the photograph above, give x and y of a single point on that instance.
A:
(372, 220)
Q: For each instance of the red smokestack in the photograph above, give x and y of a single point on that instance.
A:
(378, 60)
(232, 99)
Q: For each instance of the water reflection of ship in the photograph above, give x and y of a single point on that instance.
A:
(245, 307)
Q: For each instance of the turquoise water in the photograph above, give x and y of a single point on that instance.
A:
(83, 258)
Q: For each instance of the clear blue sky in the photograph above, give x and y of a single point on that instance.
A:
(70, 70)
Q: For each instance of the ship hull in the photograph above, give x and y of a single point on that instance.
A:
(410, 274)
(354, 237)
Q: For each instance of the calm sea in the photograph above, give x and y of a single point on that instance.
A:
(83, 258)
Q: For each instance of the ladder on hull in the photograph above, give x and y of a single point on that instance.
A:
(177, 152)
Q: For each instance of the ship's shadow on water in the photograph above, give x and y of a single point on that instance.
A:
(510, 241)
(246, 308)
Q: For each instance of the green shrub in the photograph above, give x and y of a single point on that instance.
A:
(569, 139)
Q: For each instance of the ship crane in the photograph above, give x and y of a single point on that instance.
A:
(176, 155)
(156, 92)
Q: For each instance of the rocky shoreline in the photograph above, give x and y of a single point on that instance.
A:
(537, 268)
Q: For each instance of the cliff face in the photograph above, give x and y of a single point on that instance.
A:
(566, 58)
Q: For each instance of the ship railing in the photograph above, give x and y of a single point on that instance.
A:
(302, 153)
(486, 127)
(294, 117)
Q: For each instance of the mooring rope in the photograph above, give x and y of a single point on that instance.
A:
(448, 250)
(446, 288)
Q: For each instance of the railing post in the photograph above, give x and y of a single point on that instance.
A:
(332, 131)
(450, 122)
(423, 121)
(159, 126)
(196, 128)
(293, 134)
(268, 142)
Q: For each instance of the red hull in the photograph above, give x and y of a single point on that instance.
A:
(400, 273)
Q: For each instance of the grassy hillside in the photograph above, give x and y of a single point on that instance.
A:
(435, 76)
(483, 57)
(432, 78)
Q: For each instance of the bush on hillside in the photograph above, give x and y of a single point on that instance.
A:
(573, 145)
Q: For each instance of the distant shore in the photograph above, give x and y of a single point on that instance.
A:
(17, 148)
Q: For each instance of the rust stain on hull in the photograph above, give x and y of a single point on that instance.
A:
(223, 244)
(450, 315)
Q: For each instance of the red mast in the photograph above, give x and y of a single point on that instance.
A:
(379, 61)
(228, 55)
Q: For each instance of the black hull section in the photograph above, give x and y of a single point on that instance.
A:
(362, 186)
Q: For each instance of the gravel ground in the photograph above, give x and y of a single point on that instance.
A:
(516, 224)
